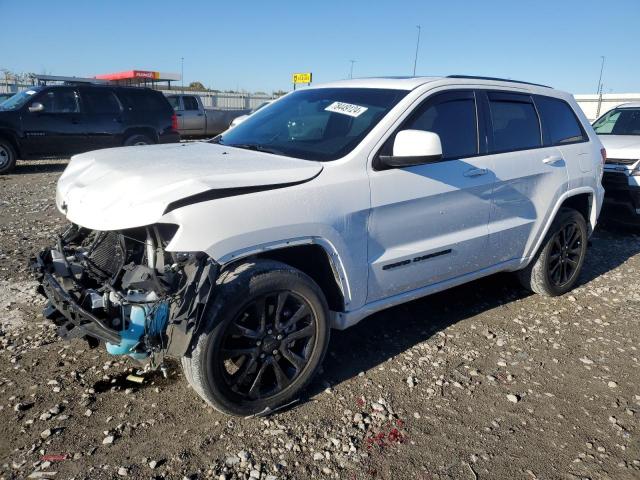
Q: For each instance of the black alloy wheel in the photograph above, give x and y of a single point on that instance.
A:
(555, 268)
(266, 347)
(565, 253)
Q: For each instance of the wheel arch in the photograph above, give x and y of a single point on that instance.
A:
(315, 257)
(10, 137)
(146, 131)
(581, 199)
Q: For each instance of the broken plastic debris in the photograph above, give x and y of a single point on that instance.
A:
(54, 458)
(37, 474)
(135, 378)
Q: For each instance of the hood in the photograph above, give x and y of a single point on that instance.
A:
(128, 187)
(621, 146)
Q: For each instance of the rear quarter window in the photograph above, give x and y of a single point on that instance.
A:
(145, 101)
(560, 126)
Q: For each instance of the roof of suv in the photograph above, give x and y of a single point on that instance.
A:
(409, 83)
(629, 105)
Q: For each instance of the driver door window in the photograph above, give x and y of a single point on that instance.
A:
(453, 118)
(60, 101)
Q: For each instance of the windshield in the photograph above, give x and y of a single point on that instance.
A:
(619, 121)
(18, 100)
(316, 124)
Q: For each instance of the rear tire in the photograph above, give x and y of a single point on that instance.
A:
(138, 140)
(7, 157)
(245, 362)
(557, 265)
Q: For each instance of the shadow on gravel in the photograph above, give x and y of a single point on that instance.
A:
(42, 166)
(391, 332)
(611, 246)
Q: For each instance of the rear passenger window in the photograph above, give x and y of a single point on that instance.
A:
(454, 121)
(190, 103)
(515, 124)
(559, 124)
(101, 101)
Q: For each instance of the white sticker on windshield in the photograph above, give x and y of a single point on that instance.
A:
(30, 92)
(346, 109)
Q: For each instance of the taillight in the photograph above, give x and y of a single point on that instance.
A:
(174, 123)
(603, 154)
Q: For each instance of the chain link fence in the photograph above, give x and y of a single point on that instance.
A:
(217, 100)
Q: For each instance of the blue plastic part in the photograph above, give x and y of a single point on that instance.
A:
(138, 315)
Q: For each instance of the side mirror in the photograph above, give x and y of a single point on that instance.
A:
(413, 147)
(36, 107)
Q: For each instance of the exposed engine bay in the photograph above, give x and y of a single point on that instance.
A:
(124, 289)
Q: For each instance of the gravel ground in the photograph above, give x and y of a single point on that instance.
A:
(483, 381)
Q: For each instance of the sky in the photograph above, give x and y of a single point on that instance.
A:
(258, 45)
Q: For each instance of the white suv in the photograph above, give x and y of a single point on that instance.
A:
(238, 255)
(619, 130)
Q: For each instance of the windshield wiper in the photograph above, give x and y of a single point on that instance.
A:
(255, 147)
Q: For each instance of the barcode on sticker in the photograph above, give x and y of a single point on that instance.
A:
(346, 109)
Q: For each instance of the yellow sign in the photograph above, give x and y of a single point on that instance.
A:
(302, 77)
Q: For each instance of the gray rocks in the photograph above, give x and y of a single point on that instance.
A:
(513, 398)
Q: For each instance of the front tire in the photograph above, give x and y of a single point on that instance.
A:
(7, 157)
(265, 337)
(557, 265)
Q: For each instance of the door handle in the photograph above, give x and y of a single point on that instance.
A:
(178, 114)
(200, 114)
(75, 121)
(476, 172)
(552, 160)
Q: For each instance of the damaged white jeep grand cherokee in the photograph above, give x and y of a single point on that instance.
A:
(239, 254)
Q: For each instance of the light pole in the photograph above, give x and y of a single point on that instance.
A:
(182, 72)
(351, 71)
(599, 91)
(600, 79)
(415, 60)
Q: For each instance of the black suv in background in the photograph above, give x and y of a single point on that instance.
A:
(62, 120)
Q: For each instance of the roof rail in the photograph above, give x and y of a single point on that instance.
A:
(474, 77)
(43, 79)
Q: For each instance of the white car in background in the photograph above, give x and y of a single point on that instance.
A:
(238, 120)
(619, 131)
(240, 254)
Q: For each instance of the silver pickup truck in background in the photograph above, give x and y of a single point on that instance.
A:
(194, 120)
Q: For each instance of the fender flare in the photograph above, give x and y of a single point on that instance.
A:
(337, 265)
(568, 194)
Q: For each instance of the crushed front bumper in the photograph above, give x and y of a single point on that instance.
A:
(72, 320)
(108, 292)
